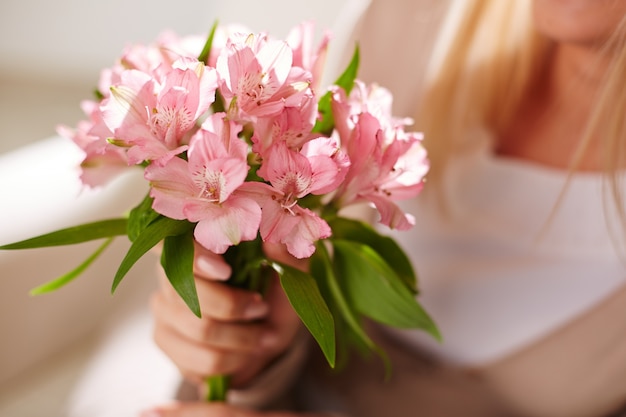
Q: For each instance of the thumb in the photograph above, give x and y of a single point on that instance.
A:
(197, 409)
(203, 409)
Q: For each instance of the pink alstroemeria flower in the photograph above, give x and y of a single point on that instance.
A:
(204, 188)
(155, 59)
(257, 78)
(293, 175)
(293, 126)
(220, 39)
(154, 119)
(372, 99)
(102, 161)
(382, 170)
(300, 39)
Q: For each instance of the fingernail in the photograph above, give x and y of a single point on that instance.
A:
(256, 310)
(213, 268)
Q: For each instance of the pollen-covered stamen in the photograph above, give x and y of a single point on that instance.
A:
(293, 183)
(169, 124)
(211, 185)
(383, 191)
(251, 86)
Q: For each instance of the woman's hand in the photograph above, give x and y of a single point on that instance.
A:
(239, 333)
(218, 410)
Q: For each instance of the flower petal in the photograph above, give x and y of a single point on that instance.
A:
(236, 220)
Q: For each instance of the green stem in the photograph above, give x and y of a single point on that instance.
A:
(248, 264)
(217, 388)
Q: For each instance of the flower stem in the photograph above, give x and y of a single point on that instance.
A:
(216, 388)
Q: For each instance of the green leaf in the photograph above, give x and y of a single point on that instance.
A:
(385, 246)
(304, 295)
(376, 291)
(346, 79)
(177, 261)
(140, 217)
(324, 273)
(153, 234)
(206, 50)
(70, 276)
(326, 122)
(73, 235)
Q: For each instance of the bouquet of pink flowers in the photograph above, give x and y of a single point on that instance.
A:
(239, 147)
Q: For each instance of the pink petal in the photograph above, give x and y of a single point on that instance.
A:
(309, 229)
(172, 187)
(276, 59)
(276, 223)
(390, 214)
(288, 171)
(126, 107)
(235, 221)
(328, 164)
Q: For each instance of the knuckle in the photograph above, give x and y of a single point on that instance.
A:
(206, 330)
(212, 362)
(160, 337)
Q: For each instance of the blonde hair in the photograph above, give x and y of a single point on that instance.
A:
(486, 58)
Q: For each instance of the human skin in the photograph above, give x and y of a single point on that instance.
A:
(548, 125)
(240, 331)
(580, 22)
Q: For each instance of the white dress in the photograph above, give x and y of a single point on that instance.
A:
(509, 263)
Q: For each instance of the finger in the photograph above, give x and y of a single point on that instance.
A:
(197, 360)
(238, 337)
(224, 302)
(194, 410)
(216, 410)
(210, 265)
(221, 301)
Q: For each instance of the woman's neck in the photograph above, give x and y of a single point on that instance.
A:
(552, 119)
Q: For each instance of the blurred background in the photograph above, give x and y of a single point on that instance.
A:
(51, 53)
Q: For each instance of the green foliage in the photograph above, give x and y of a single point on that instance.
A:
(304, 295)
(140, 217)
(177, 261)
(323, 271)
(72, 235)
(326, 123)
(154, 233)
(206, 50)
(375, 290)
(73, 274)
(386, 247)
